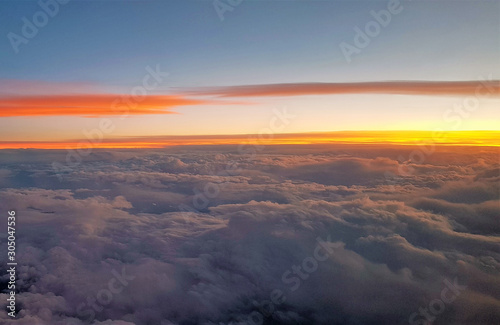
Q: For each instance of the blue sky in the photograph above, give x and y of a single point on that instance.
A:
(258, 42)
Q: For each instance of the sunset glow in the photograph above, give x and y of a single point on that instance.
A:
(91, 105)
(249, 162)
(417, 138)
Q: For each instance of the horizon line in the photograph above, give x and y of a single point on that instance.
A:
(485, 138)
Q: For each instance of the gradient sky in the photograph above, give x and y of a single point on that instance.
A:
(104, 47)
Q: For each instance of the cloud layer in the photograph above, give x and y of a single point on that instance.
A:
(380, 87)
(92, 105)
(293, 234)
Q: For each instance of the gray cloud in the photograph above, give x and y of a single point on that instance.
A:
(380, 87)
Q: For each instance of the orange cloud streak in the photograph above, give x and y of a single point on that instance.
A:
(92, 105)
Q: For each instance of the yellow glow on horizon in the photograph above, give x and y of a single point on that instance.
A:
(443, 138)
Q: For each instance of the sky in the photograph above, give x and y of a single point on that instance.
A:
(60, 83)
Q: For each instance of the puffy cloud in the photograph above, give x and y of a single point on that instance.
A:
(171, 237)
